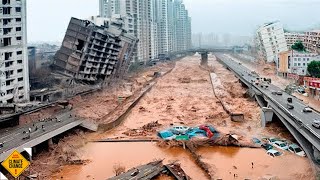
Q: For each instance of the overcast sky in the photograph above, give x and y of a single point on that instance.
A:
(48, 19)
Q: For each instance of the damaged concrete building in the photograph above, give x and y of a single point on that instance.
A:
(95, 51)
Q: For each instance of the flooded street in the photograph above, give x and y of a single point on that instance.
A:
(224, 161)
(227, 161)
(105, 155)
(185, 96)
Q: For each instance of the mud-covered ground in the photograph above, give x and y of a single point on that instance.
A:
(185, 96)
(93, 107)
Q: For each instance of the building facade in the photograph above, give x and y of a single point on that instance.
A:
(14, 74)
(312, 41)
(162, 26)
(95, 51)
(294, 62)
(271, 40)
(292, 38)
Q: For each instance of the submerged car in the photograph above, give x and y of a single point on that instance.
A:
(274, 153)
(294, 148)
(307, 109)
(272, 140)
(180, 129)
(256, 141)
(166, 135)
(281, 145)
(266, 146)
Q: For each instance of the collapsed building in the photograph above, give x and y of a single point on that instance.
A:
(95, 51)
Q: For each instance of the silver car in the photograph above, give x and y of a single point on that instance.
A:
(316, 123)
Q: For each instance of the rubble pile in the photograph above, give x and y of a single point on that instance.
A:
(145, 130)
(185, 80)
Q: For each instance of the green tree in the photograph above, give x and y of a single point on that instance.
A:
(298, 46)
(314, 69)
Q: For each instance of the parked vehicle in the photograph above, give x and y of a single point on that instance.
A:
(307, 109)
(256, 141)
(274, 153)
(316, 123)
(274, 92)
(294, 148)
(289, 100)
(290, 106)
(179, 129)
(279, 93)
(281, 145)
(267, 146)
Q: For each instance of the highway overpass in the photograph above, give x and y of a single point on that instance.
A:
(18, 138)
(299, 123)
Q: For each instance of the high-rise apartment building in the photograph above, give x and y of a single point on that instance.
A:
(292, 38)
(162, 26)
(312, 41)
(14, 74)
(271, 40)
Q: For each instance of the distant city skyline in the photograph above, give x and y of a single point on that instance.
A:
(48, 20)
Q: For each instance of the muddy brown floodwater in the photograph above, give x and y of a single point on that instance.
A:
(186, 96)
(105, 155)
(224, 162)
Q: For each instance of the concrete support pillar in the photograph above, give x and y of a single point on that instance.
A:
(266, 116)
(316, 154)
(50, 143)
(204, 58)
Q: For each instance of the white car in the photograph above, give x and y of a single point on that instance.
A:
(294, 148)
(316, 123)
(281, 145)
(180, 129)
(307, 109)
(274, 153)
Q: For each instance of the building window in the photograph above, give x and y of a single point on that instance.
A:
(19, 61)
(18, 19)
(19, 52)
(295, 64)
(20, 79)
(299, 59)
(304, 64)
(299, 64)
(19, 38)
(18, 29)
(19, 70)
(18, 9)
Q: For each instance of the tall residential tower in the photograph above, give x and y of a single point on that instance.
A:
(14, 74)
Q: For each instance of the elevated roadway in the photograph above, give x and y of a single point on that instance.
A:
(299, 123)
(20, 137)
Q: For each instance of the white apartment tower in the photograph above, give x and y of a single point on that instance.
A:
(14, 75)
(271, 40)
(162, 26)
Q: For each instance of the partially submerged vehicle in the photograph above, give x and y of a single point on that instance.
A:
(274, 153)
(294, 148)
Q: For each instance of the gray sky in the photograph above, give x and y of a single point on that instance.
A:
(48, 19)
